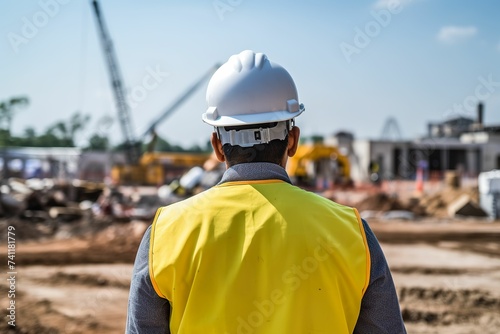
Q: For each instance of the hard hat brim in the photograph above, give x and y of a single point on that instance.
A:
(259, 118)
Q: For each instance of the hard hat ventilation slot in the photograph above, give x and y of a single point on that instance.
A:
(250, 137)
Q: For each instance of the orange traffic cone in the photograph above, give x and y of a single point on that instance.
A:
(419, 181)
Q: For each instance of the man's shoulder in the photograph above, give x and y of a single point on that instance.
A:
(318, 198)
(189, 202)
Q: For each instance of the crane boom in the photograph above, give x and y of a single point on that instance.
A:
(131, 147)
(181, 99)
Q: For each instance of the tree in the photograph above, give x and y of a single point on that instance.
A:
(317, 139)
(66, 130)
(164, 146)
(58, 130)
(29, 132)
(29, 138)
(49, 139)
(208, 146)
(98, 143)
(77, 123)
(7, 111)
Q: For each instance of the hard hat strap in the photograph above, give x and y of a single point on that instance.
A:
(255, 136)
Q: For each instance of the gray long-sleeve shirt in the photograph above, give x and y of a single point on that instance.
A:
(148, 313)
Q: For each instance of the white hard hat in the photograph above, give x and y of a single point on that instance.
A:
(250, 89)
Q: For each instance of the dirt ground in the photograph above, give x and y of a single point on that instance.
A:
(447, 274)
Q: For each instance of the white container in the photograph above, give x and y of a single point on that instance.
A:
(192, 178)
(489, 192)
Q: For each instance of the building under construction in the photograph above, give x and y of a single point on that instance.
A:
(461, 144)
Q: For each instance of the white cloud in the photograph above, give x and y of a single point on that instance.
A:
(455, 34)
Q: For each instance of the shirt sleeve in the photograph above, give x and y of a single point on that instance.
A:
(147, 313)
(380, 312)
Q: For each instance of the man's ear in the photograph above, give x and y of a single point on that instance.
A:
(217, 146)
(293, 141)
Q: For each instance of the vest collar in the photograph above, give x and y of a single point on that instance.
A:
(255, 171)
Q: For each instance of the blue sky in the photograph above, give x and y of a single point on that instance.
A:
(355, 64)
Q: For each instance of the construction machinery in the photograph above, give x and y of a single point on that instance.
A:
(319, 166)
(157, 168)
(154, 168)
(150, 167)
(132, 148)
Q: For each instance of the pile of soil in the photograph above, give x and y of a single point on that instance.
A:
(384, 202)
(380, 202)
(28, 230)
(441, 308)
(90, 241)
(436, 204)
(433, 205)
(39, 317)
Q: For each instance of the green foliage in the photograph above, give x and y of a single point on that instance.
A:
(98, 143)
(164, 146)
(8, 109)
(63, 133)
(60, 134)
(317, 139)
(4, 138)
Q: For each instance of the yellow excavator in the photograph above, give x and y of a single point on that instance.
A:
(157, 168)
(319, 166)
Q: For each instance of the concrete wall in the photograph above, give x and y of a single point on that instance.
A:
(382, 152)
(473, 157)
(360, 159)
(490, 147)
(491, 157)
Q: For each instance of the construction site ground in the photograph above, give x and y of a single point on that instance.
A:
(74, 277)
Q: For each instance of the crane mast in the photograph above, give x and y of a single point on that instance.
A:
(132, 149)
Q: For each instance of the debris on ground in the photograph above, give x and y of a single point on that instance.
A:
(81, 239)
(465, 206)
(450, 201)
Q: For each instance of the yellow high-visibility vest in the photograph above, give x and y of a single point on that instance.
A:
(259, 257)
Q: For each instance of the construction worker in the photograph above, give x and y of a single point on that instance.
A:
(255, 254)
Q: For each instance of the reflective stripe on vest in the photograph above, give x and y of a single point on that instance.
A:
(259, 257)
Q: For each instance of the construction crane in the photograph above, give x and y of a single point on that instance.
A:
(132, 147)
(142, 168)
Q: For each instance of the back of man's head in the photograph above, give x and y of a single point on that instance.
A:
(272, 151)
(251, 104)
